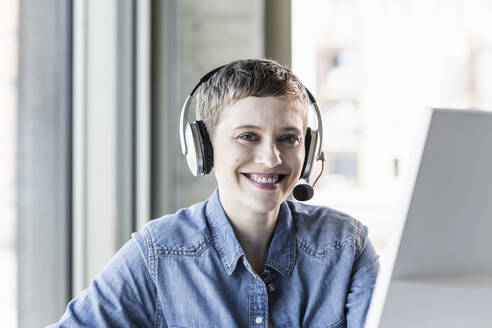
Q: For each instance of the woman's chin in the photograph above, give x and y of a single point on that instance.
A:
(263, 204)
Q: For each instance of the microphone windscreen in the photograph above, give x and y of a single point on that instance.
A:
(303, 192)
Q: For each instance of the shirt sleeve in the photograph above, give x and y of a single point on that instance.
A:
(363, 280)
(123, 294)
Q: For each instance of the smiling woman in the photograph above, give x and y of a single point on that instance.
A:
(247, 256)
(262, 140)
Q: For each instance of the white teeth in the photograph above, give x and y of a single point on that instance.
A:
(264, 179)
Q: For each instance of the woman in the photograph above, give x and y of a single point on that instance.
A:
(246, 257)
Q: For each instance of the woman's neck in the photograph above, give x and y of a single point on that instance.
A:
(253, 231)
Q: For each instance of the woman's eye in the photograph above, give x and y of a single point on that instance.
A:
(248, 137)
(291, 139)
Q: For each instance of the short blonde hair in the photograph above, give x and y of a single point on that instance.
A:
(245, 78)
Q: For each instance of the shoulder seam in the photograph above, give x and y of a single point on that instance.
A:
(361, 232)
(148, 238)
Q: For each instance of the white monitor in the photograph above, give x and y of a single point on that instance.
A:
(438, 268)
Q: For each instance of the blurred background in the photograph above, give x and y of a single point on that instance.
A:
(91, 91)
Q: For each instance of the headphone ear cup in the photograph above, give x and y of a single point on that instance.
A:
(206, 147)
(309, 148)
(307, 144)
(194, 153)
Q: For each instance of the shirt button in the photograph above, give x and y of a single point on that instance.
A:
(259, 320)
(271, 287)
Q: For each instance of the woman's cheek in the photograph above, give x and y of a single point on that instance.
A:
(239, 155)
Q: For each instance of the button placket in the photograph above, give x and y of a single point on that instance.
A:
(258, 303)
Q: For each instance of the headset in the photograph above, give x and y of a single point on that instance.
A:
(197, 147)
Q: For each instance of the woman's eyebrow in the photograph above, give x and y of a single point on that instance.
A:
(255, 127)
(290, 129)
(246, 127)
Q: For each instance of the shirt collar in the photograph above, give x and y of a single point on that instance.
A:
(282, 251)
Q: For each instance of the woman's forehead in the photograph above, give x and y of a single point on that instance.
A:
(260, 111)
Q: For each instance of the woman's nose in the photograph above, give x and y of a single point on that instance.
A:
(268, 154)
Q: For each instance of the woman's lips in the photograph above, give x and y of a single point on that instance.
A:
(266, 181)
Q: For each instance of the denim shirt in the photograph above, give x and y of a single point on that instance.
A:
(189, 270)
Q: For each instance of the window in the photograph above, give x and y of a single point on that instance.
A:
(373, 67)
(8, 147)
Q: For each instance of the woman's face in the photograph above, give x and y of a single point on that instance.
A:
(258, 152)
